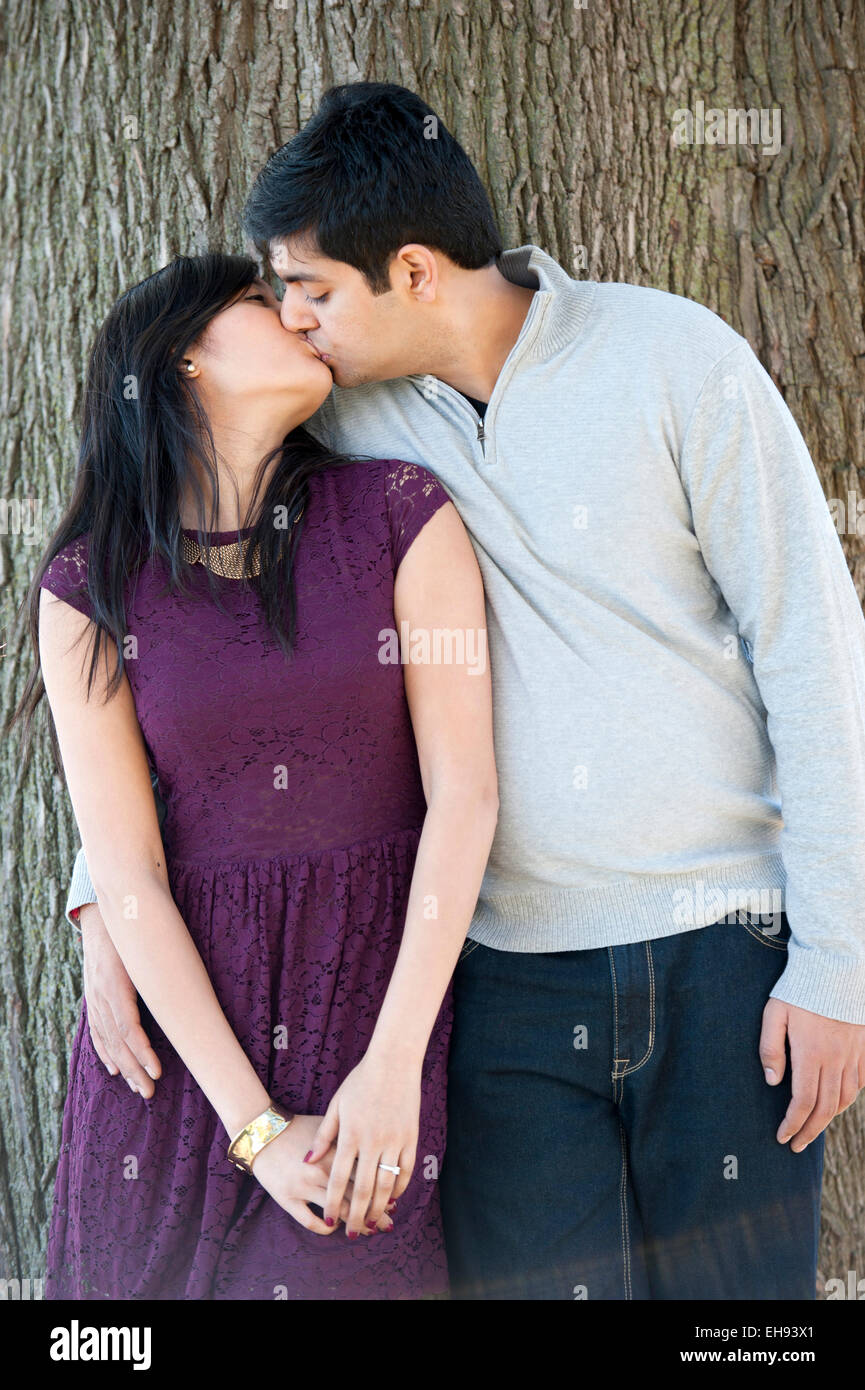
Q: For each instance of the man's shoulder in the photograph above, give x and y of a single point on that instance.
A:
(664, 322)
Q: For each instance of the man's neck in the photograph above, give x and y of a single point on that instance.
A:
(489, 312)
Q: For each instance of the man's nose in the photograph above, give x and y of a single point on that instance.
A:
(295, 315)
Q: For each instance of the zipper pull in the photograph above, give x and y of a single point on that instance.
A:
(481, 435)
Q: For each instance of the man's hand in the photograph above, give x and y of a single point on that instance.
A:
(112, 1008)
(827, 1058)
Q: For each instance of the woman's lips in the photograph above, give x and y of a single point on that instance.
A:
(322, 356)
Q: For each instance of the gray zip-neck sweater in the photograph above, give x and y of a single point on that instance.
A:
(676, 646)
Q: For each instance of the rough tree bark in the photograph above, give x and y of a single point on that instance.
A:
(131, 133)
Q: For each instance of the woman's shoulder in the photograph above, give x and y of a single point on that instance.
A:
(397, 495)
(403, 493)
(403, 477)
(66, 574)
(384, 481)
(72, 556)
(413, 495)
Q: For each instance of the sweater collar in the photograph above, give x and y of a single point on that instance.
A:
(565, 303)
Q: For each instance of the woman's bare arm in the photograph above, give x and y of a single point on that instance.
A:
(438, 588)
(109, 783)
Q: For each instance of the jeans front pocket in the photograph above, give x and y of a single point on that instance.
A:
(770, 928)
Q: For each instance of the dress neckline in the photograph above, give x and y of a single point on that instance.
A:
(218, 535)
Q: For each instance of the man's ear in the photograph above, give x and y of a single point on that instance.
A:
(418, 264)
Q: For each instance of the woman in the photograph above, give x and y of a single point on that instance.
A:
(330, 813)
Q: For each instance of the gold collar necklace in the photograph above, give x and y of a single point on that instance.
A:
(225, 560)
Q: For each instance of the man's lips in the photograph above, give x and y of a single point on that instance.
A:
(322, 356)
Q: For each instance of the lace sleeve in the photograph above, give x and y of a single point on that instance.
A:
(413, 496)
(66, 576)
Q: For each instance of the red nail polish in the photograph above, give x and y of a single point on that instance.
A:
(371, 1226)
(353, 1235)
(328, 1221)
(307, 1156)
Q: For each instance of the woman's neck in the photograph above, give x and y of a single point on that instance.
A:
(239, 454)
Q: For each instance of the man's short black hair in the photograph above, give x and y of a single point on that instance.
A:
(372, 169)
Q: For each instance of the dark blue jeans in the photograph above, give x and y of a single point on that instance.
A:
(610, 1131)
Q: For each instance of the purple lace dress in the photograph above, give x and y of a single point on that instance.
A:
(295, 806)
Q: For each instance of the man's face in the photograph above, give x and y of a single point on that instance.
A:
(361, 336)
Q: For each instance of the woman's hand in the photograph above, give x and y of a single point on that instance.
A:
(373, 1118)
(293, 1183)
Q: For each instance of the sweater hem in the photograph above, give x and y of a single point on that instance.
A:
(634, 909)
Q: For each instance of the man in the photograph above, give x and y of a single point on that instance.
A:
(678, 661)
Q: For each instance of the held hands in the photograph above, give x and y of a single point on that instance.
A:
(123, 1047)
(282, 1172)
(373, 1119)
(828, 1067)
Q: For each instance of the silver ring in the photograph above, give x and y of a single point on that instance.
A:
(391, 1167)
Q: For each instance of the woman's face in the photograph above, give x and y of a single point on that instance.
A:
(245, 357)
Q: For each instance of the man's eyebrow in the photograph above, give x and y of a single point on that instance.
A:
(292, 279)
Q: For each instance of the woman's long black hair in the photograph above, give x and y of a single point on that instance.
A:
(143, 432)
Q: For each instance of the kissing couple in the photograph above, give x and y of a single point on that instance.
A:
(425, 978)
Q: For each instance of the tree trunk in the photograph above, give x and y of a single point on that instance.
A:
(130, 137)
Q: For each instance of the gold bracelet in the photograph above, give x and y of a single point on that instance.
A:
(245, 1146)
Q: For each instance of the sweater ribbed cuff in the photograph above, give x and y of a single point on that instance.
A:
(81, 889)
(824, 983)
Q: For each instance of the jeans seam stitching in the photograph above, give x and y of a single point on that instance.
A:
(615, 1072)
(623, 1204)
(651, 1047)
